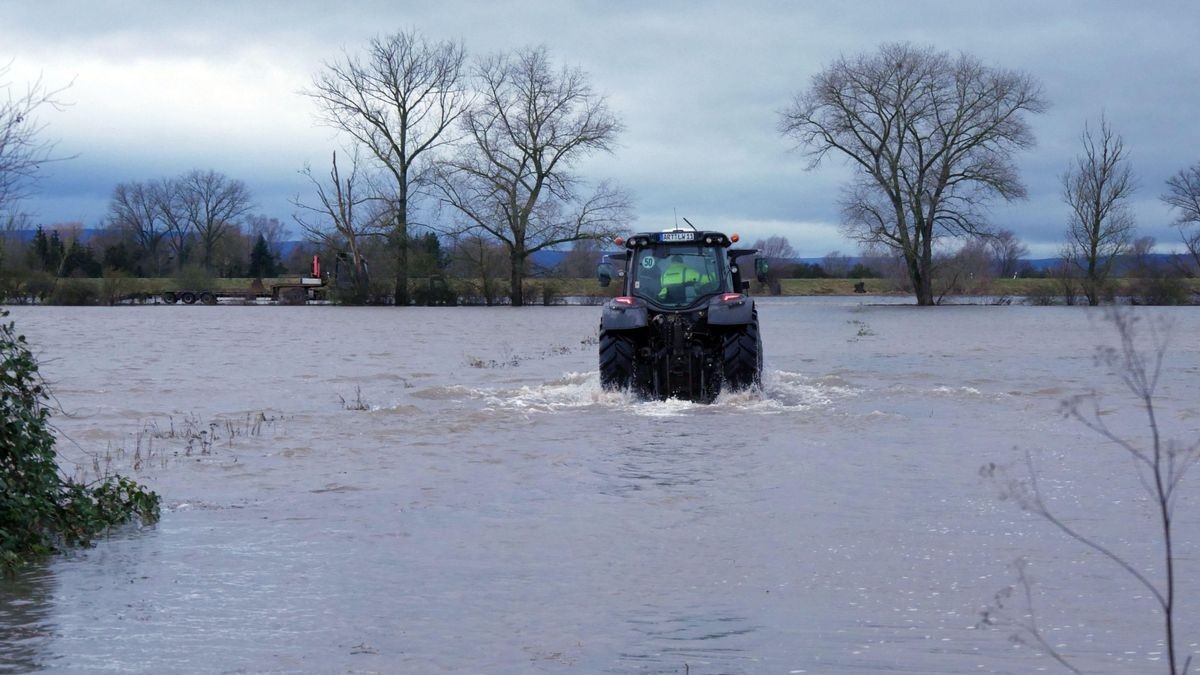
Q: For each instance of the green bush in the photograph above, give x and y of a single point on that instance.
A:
(74, 292)
(40, 510)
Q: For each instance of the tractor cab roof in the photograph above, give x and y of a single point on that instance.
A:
(678, 236)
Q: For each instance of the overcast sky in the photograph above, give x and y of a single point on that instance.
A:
(164, 87)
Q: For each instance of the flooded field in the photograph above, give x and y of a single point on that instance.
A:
(448, 490)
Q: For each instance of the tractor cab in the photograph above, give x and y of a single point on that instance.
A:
(678, 269)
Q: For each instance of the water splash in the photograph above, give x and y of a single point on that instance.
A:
(782, 391)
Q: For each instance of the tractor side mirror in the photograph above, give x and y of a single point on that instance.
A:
(604, 273)
(760, 270)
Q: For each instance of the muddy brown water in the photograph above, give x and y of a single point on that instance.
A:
(490, 510)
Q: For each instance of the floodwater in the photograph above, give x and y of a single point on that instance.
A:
(448, 490)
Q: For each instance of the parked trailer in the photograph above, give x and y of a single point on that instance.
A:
(313, 287)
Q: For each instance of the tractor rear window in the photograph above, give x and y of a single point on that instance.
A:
(677, 276)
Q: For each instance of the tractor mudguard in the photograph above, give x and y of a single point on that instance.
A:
(619, 317)
(734, 313)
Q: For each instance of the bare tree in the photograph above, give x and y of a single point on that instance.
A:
(1159, 464)
(341, 219)
(399, 102)
(475, 257)
(775, 248)
(1007, 252)
(836, 265)
(23, 150)
(931, 138)
(12, 225)
(580, 262)
(1097, 187)
(212, 202)
(167, 198)
(134, 210)
(1183, 194)
(513, 179)
(779, 253)
(967, 271)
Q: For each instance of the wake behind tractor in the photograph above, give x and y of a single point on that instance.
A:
(682, 326)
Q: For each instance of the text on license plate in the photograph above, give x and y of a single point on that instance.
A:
(676, 236)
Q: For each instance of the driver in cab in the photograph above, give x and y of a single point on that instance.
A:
(676, 277)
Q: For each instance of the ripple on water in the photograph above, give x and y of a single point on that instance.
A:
(666, 639)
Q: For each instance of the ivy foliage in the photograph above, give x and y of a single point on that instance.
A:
(40, 510)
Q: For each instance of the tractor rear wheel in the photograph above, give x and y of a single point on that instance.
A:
(741, 357)
(617, 353)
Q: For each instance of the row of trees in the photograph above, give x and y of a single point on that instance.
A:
(174, 221)
(931, 138)
(491, 147)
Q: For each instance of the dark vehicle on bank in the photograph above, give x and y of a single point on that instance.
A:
(682, 326)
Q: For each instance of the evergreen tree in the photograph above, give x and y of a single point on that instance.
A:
(80, 261)
(262, 263)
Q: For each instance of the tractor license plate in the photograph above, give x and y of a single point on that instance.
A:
(677, 236)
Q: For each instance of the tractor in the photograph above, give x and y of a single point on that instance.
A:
(683, 326)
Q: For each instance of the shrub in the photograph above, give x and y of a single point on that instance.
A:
(41, 510)
(74, 292)
(1166, 289)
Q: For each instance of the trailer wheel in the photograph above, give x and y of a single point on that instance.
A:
(188, 297)
(616, 360)
(741, 357)
(208, 298)
(169, 298)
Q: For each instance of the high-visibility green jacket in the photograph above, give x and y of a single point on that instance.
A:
(678, 274)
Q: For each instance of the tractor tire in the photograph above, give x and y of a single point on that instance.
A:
(188, 297)
(169, 298)
(208, 298)
(741, 357)
(616, 360)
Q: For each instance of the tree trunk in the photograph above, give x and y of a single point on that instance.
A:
(400, 236)
(925, 265)
(919, 276)
(517, 276)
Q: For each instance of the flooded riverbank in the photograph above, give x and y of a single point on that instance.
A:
(448, 490)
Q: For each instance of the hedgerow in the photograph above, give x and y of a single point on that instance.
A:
(41, 511)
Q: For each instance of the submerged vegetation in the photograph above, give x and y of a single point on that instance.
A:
(40, 510)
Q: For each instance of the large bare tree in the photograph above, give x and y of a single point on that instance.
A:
(342, 218)
(23, 147)
(212, 202)
(930, 137)
(134, 210)
(1097, 187)
(399, 101)
(513, 179)
(198, 207)
(1183, 194)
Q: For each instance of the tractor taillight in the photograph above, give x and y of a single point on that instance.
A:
(730, 297)
(626, 300)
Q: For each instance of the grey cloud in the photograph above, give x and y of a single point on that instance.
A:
(699, 85)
